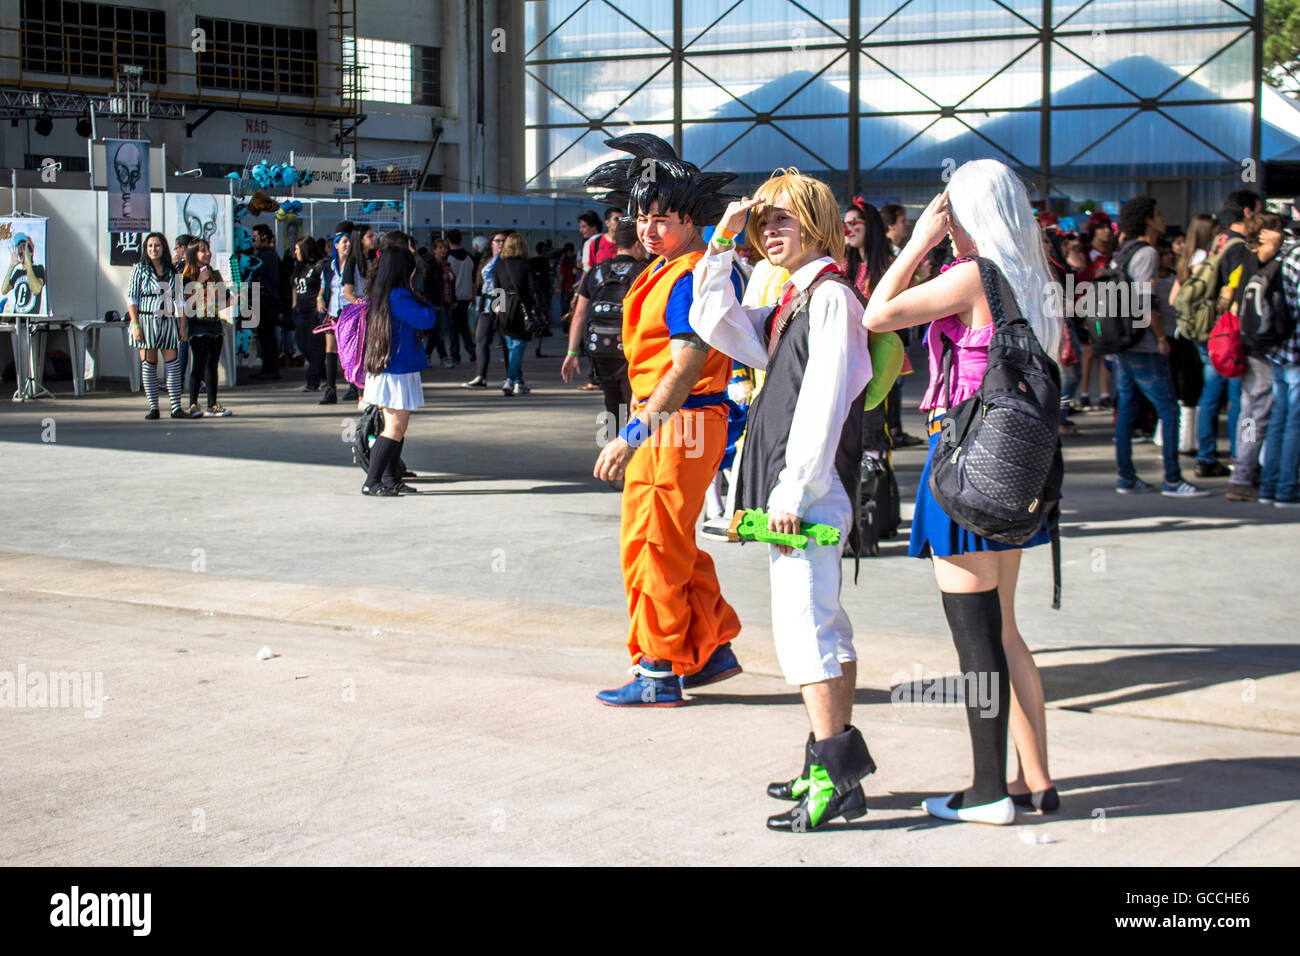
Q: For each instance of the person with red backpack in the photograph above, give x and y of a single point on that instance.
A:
(1229, 253)
(394, 359)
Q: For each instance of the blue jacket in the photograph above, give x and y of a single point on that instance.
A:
(408, 317)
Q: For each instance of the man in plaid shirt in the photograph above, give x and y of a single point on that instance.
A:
(1280, 477)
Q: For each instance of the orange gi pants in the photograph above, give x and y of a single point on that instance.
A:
(677, 610)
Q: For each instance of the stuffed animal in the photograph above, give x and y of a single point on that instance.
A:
(260, 202)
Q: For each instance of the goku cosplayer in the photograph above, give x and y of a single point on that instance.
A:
(680, 628)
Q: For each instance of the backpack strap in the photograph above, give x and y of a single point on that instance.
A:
(997, 292)
(1054, 529)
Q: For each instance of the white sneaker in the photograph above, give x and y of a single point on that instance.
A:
(1286, 504)
(520, 389)
(999, 813)
(1184, 489)
(508, 387)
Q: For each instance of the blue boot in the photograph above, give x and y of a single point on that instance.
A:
(653, 684)
(721, 664)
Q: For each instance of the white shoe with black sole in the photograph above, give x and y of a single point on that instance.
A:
(999, 813)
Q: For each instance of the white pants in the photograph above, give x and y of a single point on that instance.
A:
(813, 634)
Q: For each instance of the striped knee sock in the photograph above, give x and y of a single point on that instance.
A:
(149, 377)
(174, 383)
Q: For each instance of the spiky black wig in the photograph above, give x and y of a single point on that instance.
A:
(655, 173)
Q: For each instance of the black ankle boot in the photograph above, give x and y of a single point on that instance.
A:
(837, 764)
(794, 789)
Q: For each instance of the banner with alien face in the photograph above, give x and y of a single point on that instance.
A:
(204, 216)
(128, 185)
(22, 267)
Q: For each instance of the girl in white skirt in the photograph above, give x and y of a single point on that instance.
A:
(394, 360)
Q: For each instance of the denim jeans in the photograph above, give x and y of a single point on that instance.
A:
(1282, 447)
(515, 366)
(1138, 374)
(438, 334)
(1213, 393)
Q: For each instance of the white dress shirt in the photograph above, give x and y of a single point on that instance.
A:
(838, 367)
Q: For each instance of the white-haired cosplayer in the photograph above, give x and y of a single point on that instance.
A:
(985, 211)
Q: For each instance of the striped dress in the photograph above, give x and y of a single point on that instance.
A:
(156, 299)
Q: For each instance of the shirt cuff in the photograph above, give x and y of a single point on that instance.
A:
(789, 498)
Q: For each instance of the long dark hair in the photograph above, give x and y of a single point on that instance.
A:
(357, 255)
(875, 244)
(169, 267)
(396, 264)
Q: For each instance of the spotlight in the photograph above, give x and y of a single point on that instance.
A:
(44, 126)
(83, 127)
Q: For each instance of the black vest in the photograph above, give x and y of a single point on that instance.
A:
(770, 418)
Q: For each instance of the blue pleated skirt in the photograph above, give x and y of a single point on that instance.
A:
(934, 534)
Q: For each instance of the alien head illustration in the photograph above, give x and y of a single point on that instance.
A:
(127, 163)
(199, 211)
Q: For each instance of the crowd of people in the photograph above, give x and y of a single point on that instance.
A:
(751, 348)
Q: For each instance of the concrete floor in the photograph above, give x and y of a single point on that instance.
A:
(431, 701)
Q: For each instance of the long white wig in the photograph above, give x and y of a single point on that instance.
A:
(991, 204)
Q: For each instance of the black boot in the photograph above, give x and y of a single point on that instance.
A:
(794, 789)
(836, 765)
(382, 454)
(395, 472)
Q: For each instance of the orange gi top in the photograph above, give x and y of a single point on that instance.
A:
(646, 339)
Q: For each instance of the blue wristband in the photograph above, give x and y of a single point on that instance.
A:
(635, 432)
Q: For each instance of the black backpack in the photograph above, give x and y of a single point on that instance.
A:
(369, 427)
(997, 467)
(1113, 325)
(878, 506)
(605, 310)
(1266, 322)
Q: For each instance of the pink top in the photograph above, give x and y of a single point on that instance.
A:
(969, 359)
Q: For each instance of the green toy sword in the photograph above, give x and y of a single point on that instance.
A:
(752, 526)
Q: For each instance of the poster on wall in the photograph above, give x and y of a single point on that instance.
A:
(22, 264)
(124, 248)
(128, 185)
(204, 216)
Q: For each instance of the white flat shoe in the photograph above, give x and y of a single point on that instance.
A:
(999, 813)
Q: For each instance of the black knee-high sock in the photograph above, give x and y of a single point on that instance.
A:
(393, 472)
(976, 623)
(331, 370)
(382, 452)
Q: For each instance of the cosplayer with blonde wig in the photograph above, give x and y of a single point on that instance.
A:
(801, 461)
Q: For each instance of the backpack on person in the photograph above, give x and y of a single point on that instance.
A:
(605, 311)
(350, 332)
(1226, 352)
(1111, 333)
(1266, 321)
(1197, 302)
(997, 468)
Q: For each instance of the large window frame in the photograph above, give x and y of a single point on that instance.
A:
(858, 42)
